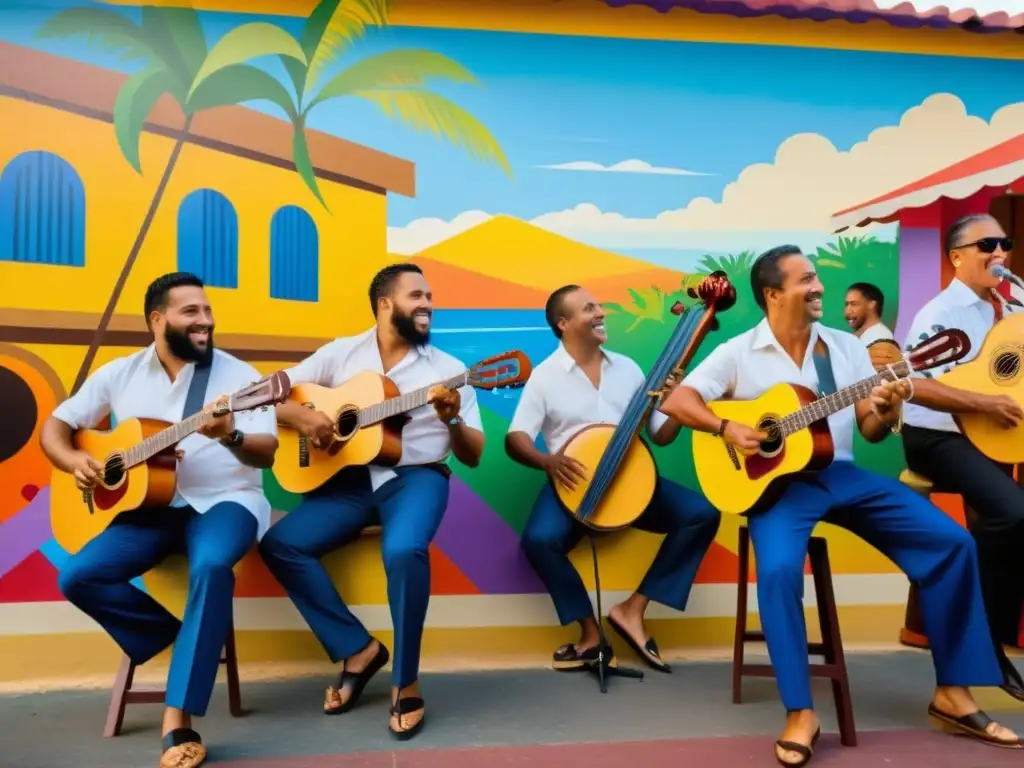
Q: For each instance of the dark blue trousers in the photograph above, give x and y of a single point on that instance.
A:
(97, 581)
(928, 547)
(409, 508)
(686, 518)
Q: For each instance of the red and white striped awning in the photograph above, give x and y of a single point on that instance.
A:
(998, 166)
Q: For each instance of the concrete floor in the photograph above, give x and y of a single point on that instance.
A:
(509, 717)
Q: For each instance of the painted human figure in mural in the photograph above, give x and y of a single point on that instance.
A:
(864, 306)
(217, 514)
(926, 544)
(581, 383)
(408, 501)
(935, 446)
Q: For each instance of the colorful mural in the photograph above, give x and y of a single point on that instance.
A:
(286, 159)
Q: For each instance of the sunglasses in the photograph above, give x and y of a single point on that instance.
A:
(989, 244)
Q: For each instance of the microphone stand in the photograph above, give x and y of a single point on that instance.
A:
(603, 666)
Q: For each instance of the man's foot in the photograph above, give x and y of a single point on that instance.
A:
(357, 671)
(627, 619)
(796, 744)
(407, 712)
(957, 713)
(182, 747)
(574, 656)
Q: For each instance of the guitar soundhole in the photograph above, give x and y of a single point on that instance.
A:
(1006, 365)
(773, 444)
(113, 470)
(348, 421)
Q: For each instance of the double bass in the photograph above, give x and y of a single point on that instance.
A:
(621, 475)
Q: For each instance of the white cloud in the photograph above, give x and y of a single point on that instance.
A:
(791, 199)
(625, 166)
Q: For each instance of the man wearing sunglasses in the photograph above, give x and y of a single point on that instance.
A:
(974, 301)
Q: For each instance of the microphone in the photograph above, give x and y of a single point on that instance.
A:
(1000, 271)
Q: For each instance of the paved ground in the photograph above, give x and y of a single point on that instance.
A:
(508, 718)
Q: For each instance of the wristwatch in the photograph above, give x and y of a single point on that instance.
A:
(454, 421)
(234, 439)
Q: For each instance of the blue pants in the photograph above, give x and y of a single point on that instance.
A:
(409, 508)
(686, 518)
(96, 580)
(929, 547)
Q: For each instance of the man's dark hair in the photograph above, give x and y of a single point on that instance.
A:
(384, 281)
(871, 292)
(554, 308)
(955, 233)
(766, 272)
(159, 291)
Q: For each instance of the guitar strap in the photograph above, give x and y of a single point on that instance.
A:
(826, 379)
(196, 397)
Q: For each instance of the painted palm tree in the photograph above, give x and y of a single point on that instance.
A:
(170, 44)
(394, 81)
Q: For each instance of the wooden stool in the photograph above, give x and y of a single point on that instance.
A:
(831, 646)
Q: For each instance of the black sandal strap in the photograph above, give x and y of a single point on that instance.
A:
(180, 736)
(791, 746)
(407, 706)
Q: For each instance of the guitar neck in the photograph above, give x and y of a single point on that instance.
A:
(825, 406)
(374, 414)
(163, 439)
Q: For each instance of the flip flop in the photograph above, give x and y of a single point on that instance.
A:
(972, 726)
(649, 653)
(355, 682)
(405, 707)
(804, 750)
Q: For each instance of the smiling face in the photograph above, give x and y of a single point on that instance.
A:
(185, 326)
(982, 245)
(582, 319)
(859, 309)
(798, 299)
(411, 307)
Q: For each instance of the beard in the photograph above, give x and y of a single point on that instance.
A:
(406, 327)
(181, 345)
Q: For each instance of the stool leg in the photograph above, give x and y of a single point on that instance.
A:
(828, 620)
(231, 667)
(119, 697)
(913, 634)
(741, 614)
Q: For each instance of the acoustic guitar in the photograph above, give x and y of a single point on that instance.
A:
(369, 414)
(799, 439)
(139, 465)
(996, 370)
(620, 473)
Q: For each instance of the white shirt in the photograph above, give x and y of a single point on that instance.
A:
(876, 332)
(137, 386)
(746, 366)
(559, 400)
(425, 438)
(955, 307)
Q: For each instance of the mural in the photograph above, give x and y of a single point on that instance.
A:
(287, 159)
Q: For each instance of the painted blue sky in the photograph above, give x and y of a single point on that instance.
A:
(712, 109)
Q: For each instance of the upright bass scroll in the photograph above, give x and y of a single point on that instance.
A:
(620, 472)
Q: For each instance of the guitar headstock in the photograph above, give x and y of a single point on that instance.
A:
(270, 390)
(716, 291)
(509, 369)
(944, 348)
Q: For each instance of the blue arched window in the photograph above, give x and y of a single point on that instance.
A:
(42, 211)
(294, 255)
(208, 238)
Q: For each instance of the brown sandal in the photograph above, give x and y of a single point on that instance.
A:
(972, 726)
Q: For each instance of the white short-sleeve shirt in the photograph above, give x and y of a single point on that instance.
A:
(746, 366)
(876, 332)
(559, 400)
(425, 438)
(137, 386)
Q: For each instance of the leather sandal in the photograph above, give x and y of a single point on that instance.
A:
(569, 658)
(183, 748)
(972, 726)
(805, 751)
(354, 682)
(406, 707)
(649, 652)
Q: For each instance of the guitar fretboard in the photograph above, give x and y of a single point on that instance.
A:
(163, 440)
(825, 406)
(372, 414)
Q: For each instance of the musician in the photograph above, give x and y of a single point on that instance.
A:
(408, 501)
(936, 448)
(217, 514)
(926, 544)
(581, 383)
(863, 313)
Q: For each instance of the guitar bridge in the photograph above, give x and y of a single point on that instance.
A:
(87, 498)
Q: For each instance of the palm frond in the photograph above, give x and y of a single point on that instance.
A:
(332, 27)
(179, 34)
(105, 29)
(244, 43)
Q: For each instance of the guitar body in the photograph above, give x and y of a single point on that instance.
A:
(377, 444)
(761, 478)
(629, 493)
(149, 484)
(998, 369)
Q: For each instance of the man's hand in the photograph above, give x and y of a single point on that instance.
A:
(318, 427)
(565, 470)
(217, 427)
(1004, 410)
(86, 470)
(746, 439)
(887, 398)
(447, 402)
